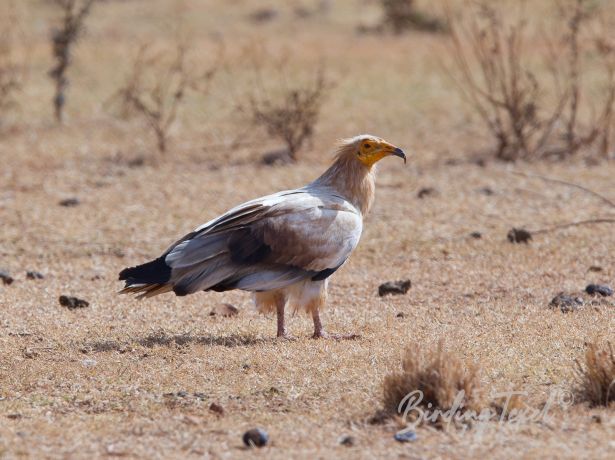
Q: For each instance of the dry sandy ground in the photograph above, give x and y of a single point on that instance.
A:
(136, 379)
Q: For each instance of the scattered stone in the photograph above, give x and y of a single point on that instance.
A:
(201, 396)
(89, 362)
(72, 303)
(488, 191)
(216, 408)
(29, 353)
(277, 158)
(136, 162)
(5, 277)
(69, 202)
(405, 436)
(263, 15)
(400, 315)
(224, 309)
(566, 303)
(394, 287)
(602, 289)
(426, 191)
(32, 275)
(182, 394)
(379, 418)
(595, 268)
(255, 437)
(346, 440)
(519, 235)
(476, 235)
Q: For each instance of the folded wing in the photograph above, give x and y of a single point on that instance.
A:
(261, 245)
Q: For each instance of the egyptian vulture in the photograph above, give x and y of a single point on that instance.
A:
(282, 247)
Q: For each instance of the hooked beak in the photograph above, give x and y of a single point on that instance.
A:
(399, 153)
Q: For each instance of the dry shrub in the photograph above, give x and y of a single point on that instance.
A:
(11, 73)
(63, 37)
(287, 112)
(597, 375)
(402, 15)
(157, 86)
(532, 113)
(439, 375)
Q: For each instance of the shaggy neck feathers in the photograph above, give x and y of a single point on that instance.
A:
(351, 178)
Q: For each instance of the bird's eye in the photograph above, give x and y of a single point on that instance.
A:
(366, 146)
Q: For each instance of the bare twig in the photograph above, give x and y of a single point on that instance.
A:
(599, 220)
(569, 184)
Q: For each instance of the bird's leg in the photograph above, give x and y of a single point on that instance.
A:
(319, 332)
(280, 304)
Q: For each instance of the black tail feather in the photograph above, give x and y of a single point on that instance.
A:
(154, 272)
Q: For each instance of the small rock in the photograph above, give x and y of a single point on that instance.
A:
(32, 275)
(201, 396)
(89, 362)
(566, 303)
(5, 277)
(263, 15)
(595, 268)
(394, 287)
(426, 191)
(29, 353)
(379, 418)
(255, 437)
(182, 394)
(69, 202)
(519, 235)
(216, 408)
(136, 162)
(224, 309)
(346, 440)
(277, 158)
(405, 436)
(476, 235)
(602, 289)
(72, 303)
(486, 191)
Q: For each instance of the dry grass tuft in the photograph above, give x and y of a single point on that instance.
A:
(597, 376)
(439, 375)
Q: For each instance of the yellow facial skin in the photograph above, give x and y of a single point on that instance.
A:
(373, 150)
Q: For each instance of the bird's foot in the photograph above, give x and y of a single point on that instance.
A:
(285, 336)
(327, 335)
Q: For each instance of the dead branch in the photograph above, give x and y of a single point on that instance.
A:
(604, 220)
(569, 184)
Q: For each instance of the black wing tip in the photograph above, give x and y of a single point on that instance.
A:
(324, 274)
(153, 272)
